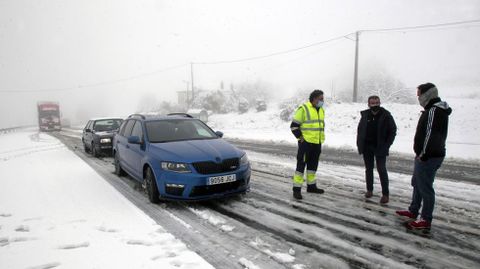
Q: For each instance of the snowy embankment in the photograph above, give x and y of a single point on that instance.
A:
(56, 211)
(341, 122)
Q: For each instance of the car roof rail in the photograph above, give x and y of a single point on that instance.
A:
(137, 115)
(180, 114)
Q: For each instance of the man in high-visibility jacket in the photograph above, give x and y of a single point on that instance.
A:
(308, 127)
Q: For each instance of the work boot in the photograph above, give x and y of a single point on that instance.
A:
(368, 194)
(313, 189)
(406, 214)
(420, 224)
(384, 199)
(297, 193)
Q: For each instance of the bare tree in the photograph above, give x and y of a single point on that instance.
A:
(387, 87)
(254, 91)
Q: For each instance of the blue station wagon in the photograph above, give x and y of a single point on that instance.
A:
(177, 157)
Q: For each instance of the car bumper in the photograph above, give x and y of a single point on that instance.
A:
(45, 128)
(105, 149)
(193, 186)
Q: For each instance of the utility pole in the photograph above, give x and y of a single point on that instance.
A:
(193, 88)
(187, 83)
(355, 74)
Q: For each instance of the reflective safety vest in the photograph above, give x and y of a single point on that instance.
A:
(311, 122)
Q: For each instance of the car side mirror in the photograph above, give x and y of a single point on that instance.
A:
(88, 131)
(134, 140)
(220, 134)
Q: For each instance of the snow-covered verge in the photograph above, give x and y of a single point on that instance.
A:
(55, 211)
(341, 122)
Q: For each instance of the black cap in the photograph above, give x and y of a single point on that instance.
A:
(425, 87)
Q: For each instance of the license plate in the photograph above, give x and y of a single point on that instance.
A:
(221, 179)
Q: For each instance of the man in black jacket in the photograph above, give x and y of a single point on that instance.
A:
(375, 134)
(429, 147)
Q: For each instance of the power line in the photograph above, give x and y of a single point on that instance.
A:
(274, 53)
(347, 36)
(298, 58)
(427, 26)
(101, 83)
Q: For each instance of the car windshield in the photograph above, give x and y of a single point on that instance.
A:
(107, 125)
(49, 113)
(178, 130)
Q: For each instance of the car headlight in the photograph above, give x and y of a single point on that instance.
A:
(244, 160)
(176, 167)
(105, 140)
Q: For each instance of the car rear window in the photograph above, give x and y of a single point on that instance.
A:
(178, 130)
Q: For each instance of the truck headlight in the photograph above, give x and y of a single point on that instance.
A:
(244, 160)
(105, 140)
(176, 167)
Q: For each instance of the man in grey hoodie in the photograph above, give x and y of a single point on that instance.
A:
(429, 147)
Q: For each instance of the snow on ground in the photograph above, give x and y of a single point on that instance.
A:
(455, 194)
(212, 219)
(341, 126)
(55, 211)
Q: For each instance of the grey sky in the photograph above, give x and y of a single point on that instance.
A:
(64, 44)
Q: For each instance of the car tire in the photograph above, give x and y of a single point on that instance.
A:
(118, 167)
(151, 187)
(85, 148)
(94, 151)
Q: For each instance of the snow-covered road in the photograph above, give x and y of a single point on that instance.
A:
(55, 211)
(268, 229)
(455, 169)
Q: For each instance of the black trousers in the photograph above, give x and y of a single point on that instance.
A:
(308, 155)
(369, 158)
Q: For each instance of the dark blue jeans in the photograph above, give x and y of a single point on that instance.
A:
(369, 158)
(422, 182)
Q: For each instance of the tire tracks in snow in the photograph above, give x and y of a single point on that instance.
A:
(338, 224)
(462, 170)
(218, 248)
(385, 240)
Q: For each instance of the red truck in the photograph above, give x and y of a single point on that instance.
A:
(49, 116)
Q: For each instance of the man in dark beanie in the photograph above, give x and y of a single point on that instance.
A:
(375, 134)
(429, 147)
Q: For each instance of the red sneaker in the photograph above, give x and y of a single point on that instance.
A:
(406, 213)
(420, 224)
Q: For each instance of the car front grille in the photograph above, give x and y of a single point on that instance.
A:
(207, 168)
